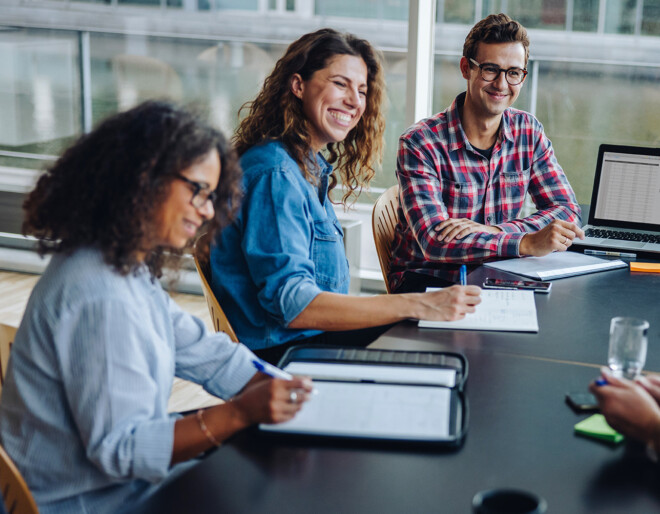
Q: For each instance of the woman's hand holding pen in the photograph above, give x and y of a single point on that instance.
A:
(272, 400)
(448, 304)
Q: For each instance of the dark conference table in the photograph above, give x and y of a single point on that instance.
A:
(520, 433)
(574, 319)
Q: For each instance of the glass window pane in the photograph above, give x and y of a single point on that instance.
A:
(620, 16)
(139, 2)
(245, 5)
(585, 15)
(546, 14)
(39, 91)
(455, 11)
(651, 18)
(580, 107)
(395, 77)
(378, 9)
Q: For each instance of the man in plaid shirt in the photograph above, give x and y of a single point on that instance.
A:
(463, 173)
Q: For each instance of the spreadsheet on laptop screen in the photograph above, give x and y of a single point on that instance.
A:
(629, 188)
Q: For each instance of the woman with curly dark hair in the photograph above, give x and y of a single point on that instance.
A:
(280, 270)
(84, 407)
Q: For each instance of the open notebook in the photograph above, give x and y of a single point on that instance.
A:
(500, 310)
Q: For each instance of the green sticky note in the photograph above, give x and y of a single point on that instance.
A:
(596, 426)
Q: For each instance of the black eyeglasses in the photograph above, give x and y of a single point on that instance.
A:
(490, 72)
(201, 192)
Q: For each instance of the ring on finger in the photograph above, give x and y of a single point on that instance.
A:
(293, 397)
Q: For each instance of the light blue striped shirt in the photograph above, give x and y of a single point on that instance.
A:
(84, 407)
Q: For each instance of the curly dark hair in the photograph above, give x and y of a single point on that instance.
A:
(106, 189)
(495, 28)
(277, 113)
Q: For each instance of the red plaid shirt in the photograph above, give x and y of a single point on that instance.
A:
(441, 176)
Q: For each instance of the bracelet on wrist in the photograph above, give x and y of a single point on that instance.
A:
(205, 430)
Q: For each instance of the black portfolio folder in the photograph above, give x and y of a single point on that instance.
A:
(379, 394)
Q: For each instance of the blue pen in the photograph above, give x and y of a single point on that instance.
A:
(271, 370)
(601, 382)
(463, 275)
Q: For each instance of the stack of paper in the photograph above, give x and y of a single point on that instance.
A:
(556, 265)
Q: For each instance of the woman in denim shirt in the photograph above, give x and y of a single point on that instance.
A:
(280, 271)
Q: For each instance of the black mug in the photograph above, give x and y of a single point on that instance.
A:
(508, 501)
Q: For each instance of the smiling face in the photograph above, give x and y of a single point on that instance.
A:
(333, 99)
(179, 220)
(490, 99)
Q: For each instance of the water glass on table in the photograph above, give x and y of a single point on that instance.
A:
(628, 343)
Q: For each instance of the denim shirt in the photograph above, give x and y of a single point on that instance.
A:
(285, 247)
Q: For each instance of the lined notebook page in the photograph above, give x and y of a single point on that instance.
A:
(501, 310)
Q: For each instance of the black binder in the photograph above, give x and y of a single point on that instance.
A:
(372, 394)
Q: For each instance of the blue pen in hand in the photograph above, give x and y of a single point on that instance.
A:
(600, 382)
(463, 275)
(270, 370)
(275, 372)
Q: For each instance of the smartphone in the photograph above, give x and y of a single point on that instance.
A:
(582, 402)
(533, 285)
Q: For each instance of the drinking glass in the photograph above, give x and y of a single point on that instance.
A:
(628, 342)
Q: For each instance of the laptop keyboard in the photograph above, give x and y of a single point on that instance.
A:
(623, 236)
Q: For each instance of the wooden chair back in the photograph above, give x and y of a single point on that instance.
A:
(15, 493)
(383, 221)
(220, 321)
(7, 335)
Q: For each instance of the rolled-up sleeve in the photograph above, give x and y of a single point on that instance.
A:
(421, 194)
(278, 257)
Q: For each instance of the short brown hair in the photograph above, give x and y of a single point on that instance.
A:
(495, 28)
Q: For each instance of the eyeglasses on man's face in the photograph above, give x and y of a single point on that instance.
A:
(201, 192)
(490, 72)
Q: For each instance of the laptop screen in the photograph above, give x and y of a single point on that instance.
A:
(627, 188)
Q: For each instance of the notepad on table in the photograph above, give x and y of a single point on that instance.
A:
(595, 426)
(501, 310)
(556, 265)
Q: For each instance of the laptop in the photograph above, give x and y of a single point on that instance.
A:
(625, 204)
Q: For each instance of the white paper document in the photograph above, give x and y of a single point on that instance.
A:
(406, 412)
(500, 310)
(374, 373)
(556, 265)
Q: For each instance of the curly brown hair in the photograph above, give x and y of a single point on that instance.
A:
(106, 189)
(277, 113)
(496, 28)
